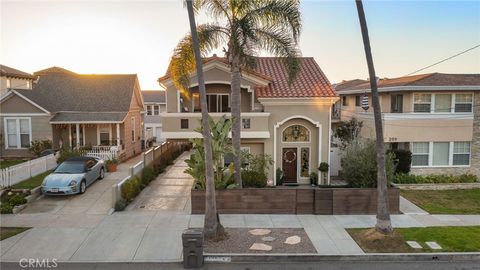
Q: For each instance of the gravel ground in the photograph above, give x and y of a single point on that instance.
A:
(240, 240)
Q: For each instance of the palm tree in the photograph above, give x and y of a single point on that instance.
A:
(383, 224)
(212, 228)
(248, 27)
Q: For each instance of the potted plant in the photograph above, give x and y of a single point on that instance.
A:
(112, 165)
(280, 177)
(313, 178)
(323, 168)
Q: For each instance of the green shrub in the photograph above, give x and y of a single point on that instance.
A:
(120, 205)
(131, 188)
(403, 178)
(254, 179)
(403, 159)
(66, 154)
(6, 208)
(148, 175)
(37, 146)
(359, 164)
(17, 200)
(313, 178)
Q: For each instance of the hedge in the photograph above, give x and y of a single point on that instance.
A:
(403, 178)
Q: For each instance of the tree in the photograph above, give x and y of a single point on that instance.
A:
(249, 27)
(212, 227)
(384, 224)
(348, 131)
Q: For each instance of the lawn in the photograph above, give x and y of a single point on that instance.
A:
(7, 163)
(6, 232)
(462, 201)
(451, 239)
(32, 182)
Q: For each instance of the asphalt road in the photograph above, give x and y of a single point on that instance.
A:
(323, 265)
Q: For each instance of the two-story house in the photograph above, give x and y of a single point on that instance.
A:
(155, 104)
(436, 116)
(289, 122)
(11, 78)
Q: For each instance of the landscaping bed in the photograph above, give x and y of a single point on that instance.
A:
(465, 201)
(6, 232)
(240, 240)
(451, 239)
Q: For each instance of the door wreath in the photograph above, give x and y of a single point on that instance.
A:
(285, 158)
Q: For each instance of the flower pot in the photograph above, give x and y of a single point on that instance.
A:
(112, 167)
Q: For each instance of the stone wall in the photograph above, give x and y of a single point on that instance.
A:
(445, 170)
(475, 160)
(452, 186)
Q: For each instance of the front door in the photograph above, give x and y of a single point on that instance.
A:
(289, 164)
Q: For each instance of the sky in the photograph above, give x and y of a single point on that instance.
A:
(100, 37)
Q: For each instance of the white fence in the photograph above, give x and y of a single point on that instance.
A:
(17, 173)
(103, 152)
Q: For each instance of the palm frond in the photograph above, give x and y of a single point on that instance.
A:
(215, 8)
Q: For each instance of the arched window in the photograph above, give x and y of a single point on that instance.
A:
(296, 133)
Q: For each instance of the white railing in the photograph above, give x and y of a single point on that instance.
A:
(20, 172)
(103, 153)
(148, 157)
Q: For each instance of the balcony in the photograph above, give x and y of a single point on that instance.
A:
(183, 125)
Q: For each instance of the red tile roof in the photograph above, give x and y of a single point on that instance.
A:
(310, 81)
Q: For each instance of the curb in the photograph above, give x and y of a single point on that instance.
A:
(399, 257)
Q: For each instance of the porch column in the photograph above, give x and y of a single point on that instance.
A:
(77, 133)
(70, 135)
(118, 135)
(98, 134)
(83, 134)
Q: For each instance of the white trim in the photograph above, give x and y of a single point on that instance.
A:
(83, 134)
(309, 134)
(329, 146)
(17, 131)
(192, 134)
(26, 99)
(98, 135)
(178, 102)
(417, 116)
(298, 101)
(220, 114)
(415, 88)
(450, 156)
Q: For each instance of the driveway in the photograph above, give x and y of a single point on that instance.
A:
(97, 200)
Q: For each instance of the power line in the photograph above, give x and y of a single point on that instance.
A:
(446, 59)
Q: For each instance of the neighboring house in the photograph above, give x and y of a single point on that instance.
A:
(289, 122)
(436, 116)
(74, 110)
(155, 104)
(11, 78)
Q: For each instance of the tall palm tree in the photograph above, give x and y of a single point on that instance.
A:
(383, 224)
(212, 228)
(246, 28)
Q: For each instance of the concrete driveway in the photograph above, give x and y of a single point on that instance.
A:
(97, 200)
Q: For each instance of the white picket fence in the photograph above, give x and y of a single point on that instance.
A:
(17, 173)
(104, 153)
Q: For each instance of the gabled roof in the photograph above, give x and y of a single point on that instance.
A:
(430, 79)
(153, 96)
(15, 73)
(53, 70)
(75, 93)
(310, 81)
(348, 84)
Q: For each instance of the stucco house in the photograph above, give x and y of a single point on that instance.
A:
(74, 110)
(289, 122)
(436, 116)
(155, 104)
(14, 78)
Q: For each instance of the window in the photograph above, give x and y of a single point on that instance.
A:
(461, 153)
(396, 105)
(420, 152)
(184, 123)
(196, 102)
(218, 103)
(9, 83)
(422, 102)
(305, 162)
(156, 110)
(296, 133)
(443, 102)
(344, 101)
(18, 132)
(246, 123)
(104, 136)
(463, 102)
(149, 110)
(440, 153)
(133, 129)
(357, 101)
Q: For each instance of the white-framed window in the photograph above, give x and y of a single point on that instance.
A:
(443, 102)
(463, 102)
(218, 102)
(104, 136)
(18, 132)
(440, 154)
(420, 152)
(156, 110)
(422, 102)
(149, 110)
(461, 153)
(133, 129)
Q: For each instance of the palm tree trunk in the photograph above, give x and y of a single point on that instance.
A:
(383, 224)
(236, 128)
(212, 228)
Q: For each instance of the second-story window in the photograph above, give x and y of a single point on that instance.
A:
(149, 110)
(218, 103)
(443, 102)
(463, 102)
(396, 104)
(422, 102)
(358, 101)
(344, 101)
(156, 110)
(196, 102)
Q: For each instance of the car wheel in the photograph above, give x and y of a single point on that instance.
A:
(83, 187)
(102, 173)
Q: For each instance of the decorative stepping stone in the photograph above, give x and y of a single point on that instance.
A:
(268, 239)
(414, 244)
(261, 247)
(293, 240)
(433, 245)
(259, 231)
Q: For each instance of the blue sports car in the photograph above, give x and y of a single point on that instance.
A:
(73, 176)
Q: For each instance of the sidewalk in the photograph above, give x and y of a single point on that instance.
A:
(152, 233)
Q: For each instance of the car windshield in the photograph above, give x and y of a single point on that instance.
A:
(70, 167)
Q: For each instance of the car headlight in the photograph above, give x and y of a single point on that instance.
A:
(73, 183)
